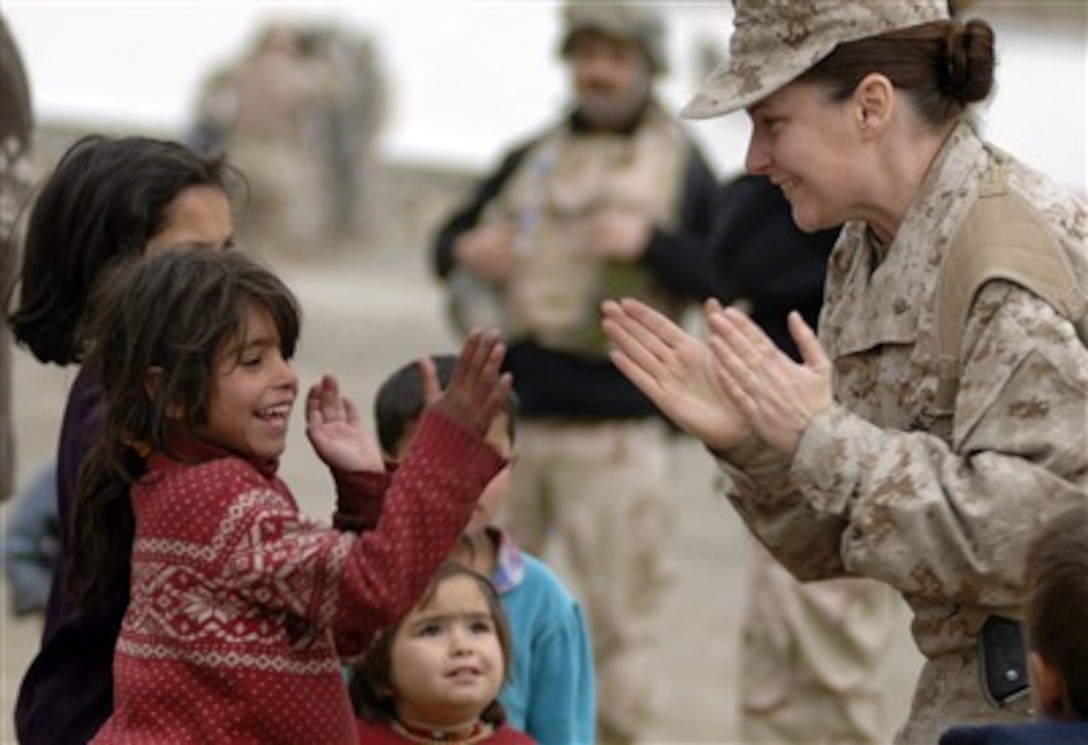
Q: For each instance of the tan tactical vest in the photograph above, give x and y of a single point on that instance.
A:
(1003, 238)
(563, 180)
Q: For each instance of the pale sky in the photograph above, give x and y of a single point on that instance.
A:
(468, 77)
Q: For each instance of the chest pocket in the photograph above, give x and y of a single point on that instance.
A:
(879, 339)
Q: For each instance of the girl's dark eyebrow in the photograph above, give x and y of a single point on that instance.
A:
(441, 617)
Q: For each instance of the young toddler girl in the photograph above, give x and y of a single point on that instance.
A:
(241, 607)
(435, 678)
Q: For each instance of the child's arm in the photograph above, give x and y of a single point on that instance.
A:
(360, 585)
(431, 496)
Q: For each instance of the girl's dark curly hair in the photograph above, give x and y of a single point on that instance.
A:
(173, 315)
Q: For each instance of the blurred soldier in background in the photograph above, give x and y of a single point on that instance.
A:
(612, 200)
(16, 125)
(264, 111)
(349, 124)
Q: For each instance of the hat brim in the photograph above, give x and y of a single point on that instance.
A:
(738, 83)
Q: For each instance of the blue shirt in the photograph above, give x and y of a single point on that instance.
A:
(551, 694)
(1030, 733)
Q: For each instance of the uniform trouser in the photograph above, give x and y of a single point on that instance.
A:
(601, 492)
(812, 658)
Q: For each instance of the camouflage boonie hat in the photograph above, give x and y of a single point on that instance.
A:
(775, 41)
(639, 23)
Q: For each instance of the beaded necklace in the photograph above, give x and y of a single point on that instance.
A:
(475, 732)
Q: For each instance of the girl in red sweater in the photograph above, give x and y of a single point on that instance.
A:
(240, 607)
(435, 678)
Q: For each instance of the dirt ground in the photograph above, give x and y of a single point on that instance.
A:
(366, 313)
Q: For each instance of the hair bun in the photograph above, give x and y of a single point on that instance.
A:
(968, 74)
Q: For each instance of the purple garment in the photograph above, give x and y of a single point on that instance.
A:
(1031, 733)
(67, 692)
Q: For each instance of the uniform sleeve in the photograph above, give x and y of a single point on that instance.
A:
(951, 523)
(563, 706)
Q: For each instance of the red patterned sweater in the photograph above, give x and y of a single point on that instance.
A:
(241, 607)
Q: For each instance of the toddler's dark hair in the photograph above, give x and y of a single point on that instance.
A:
(1056, 578)
(399, 403)
(372, 677)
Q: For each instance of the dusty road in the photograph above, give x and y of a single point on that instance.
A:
(366, 314)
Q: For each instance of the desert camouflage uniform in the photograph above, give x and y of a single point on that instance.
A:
(15, 135)
(881, 487)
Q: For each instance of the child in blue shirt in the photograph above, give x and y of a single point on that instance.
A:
(1056, 619)
(551, 694)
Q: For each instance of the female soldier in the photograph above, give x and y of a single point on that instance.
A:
(940, 417)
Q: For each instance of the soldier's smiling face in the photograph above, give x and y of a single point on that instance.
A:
(810, 148)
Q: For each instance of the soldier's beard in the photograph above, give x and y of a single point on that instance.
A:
(610, 112)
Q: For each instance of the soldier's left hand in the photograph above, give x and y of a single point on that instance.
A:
(618, 235)
(777, 396)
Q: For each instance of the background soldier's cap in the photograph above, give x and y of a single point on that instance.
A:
(637, 22)
(775, 41)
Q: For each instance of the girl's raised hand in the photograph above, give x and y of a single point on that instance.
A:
(334, 431)
(675, 370)
(478, 390)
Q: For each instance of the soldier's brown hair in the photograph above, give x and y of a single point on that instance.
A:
(1056, 578)
(943, 66)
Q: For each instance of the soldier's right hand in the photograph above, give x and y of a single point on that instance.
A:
(478, 390)
(487, 252)
(675, 370)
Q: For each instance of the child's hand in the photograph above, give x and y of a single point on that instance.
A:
(478, 391)
(332, 426)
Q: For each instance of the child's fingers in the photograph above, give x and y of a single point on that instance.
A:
(317, 397)
(468, 350)
(478, 359)
(432, 389)
(313, 405)
(351, 412)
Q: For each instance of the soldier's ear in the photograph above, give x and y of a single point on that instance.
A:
(873, 102)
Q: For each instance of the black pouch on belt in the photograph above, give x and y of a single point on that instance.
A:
(1004, 660)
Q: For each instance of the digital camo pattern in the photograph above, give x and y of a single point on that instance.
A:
(880, 487)
(774, 41)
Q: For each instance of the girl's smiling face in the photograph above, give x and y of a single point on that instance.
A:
(255, 388)
(446, 660)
